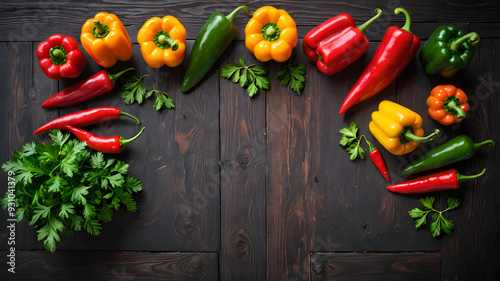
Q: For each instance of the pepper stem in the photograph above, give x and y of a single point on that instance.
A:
(271, 32)
(125, 142)
(57, 55)
(456, 44)
(461, 178)
(409, 136)
(100, 30)
(230, 17)
(131, 116)
(454, 108)
(114, 77)
(163, 40)
(365, 25)
(489, 142)
(407, 26)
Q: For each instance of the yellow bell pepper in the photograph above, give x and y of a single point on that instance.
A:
(105, 39)
(397, 128)
(162, 41)
(271, 34)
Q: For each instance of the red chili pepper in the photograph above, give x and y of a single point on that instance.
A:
(85, 118)
(397, 49)
(60, 57)
(377, 159)
(93, 86)
(114, 144)
(337, 42)
(445, 180)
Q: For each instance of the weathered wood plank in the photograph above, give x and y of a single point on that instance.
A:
(243, 177)
(101, 265)
(376, 266)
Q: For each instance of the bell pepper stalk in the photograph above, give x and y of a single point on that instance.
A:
(88, 88)
(448, 50)
(271, 34)
(215, 36)
(377, 159)
(397, 49)
(457, 149)
(162, 41)
(106, 40)
(115, 144)
(447, 104)
(441, 181)
(60, 57)
(398, 128)
(337, 42)
(85, 118)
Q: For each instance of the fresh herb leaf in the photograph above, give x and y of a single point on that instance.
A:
(162, 101)
(349, 138)
(294, 75)
(134, 90)
(439, 222)
(251, 77)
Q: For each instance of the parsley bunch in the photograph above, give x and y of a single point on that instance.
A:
(61, 187)
(439, 221)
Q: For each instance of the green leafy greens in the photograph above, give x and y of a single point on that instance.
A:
(439, 221)
(61, 187)
(251, 77)
(349, 138)
(134, 90)
(293, 75)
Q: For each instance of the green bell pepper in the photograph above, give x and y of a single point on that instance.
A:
(214, 38)
(448, 50)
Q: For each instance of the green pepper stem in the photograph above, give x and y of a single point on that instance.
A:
(473, 37)
(407, 26)
(461, 178)
(367, 24)
(165, 40)
(371, 147)
(100, 30)
(114, 77)
(131, 116)
(455, 107)
(57, 54)
(230, 17)
(125, 142)
(489, 142)
(408, 135)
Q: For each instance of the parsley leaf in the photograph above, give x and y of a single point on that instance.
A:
(440, 223)
(162, 101)
(349, 138)
(294, 75)
(134, 90)
(251, 77)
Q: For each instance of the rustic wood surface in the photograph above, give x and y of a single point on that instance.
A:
(260, 189)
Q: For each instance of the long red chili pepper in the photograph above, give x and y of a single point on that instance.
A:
(93, 86)
(115, 144)
(377, 159)
(396, 50)
(445, 180)
(85, 118)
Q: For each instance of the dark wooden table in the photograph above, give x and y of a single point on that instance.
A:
(260, 189)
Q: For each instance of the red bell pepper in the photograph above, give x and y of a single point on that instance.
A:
(93, 86)
(60, 57)
(397, 49)
(337, 42)
(85, 118)
(114, 144)
(440, 181)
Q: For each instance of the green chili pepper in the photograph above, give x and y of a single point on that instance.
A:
(448, 50)
(457, 149)
(214, 38)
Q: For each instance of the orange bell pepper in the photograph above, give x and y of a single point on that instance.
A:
(271, 34)
(105, 39)
(162, 41)
(447, 104)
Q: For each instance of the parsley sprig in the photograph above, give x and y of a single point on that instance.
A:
(61, 187)
(134, 90)
(294, 75)
(251, 77)
(349, 138)
(439, 221)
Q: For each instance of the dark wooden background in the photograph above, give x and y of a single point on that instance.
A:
(259, 189)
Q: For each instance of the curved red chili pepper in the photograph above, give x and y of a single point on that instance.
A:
(85, 118)
(377, 159)
(445, 180)
(115, 144)
(93, 86)
(397, 49)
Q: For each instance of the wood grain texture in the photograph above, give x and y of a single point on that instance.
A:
(376, 266)
(100, 265)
